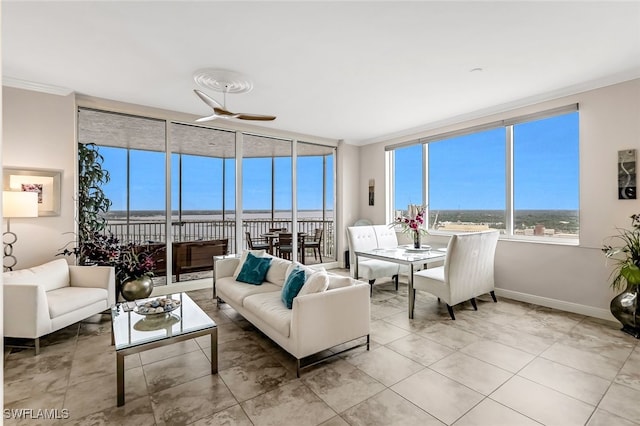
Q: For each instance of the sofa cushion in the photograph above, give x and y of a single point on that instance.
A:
(292, 265)
(269, 308)
(254, 269)
(51, 275)
(70, 299)
(277, 271)
(243, 257)
(233, 291)
(315, 283)
(338, 281)
(292, 286)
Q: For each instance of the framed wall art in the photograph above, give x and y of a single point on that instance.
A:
(372, 191)
(45, 182)
(627, 174)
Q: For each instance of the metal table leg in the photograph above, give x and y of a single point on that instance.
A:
(214, 350)
(412, 295)
(120, 378)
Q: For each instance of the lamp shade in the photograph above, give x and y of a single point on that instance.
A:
(19, 204)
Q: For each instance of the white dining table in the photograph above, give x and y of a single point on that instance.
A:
(404, 255)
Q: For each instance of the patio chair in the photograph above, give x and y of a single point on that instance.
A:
(315, 244)
(258, 244)
(284, 246)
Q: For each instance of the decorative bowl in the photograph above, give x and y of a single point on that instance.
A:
(159, 306)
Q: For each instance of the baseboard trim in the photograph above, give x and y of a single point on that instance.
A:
(576, 308)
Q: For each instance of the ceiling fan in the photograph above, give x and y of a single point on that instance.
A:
(219, 111)
(224, 81)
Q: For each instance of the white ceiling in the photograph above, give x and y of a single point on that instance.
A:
(358, 71)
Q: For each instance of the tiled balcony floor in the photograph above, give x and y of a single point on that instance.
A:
(509, 363)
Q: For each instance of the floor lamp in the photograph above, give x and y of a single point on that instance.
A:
(15, 204)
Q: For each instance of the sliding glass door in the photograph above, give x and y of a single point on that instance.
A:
(197, 168)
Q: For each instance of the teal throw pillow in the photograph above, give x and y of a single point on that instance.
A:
(292, 286)
(254, 269)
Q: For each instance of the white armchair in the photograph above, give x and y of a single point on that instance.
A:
(467, 271)
(48, 297)
(363, 238)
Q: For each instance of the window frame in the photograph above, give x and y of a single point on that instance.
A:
(508, 126)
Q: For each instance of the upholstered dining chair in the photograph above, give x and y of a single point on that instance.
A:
(315, 244)
(467, 271)
(257, 244)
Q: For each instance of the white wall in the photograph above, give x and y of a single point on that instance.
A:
(39, 132)
(347, 194)
(567, 277)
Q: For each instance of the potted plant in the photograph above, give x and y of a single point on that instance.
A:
(412, 223)
(626, 274)
(134, 271)
(133, 263)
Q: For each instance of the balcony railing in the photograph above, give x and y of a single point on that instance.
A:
(141, 232)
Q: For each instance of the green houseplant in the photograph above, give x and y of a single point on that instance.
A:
(94, 244)
(625, 254)
(92, 201)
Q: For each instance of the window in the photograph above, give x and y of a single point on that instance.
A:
(467, 182)
(545, 177)
(519, 176)
(408, 185)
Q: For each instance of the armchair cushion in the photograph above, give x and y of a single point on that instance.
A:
(52, 275)
(69, 299)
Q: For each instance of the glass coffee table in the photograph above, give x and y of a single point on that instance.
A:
(133, 333)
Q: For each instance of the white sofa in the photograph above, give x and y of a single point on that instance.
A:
(48, 297)
(316, 322)
(364, 238)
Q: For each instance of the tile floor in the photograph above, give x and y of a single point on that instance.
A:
(509, 363)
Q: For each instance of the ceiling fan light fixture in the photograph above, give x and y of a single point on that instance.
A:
(221, 80)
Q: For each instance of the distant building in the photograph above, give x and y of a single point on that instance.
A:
(463, 227)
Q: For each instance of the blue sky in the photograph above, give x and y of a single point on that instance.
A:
(465, 173)
(468, 172)
(202, 182)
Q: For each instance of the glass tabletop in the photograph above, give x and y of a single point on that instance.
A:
(404, 253)
(132, 329)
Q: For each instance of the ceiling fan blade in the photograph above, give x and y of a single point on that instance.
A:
(208, 118)
(208, 99)
(258, 117)
(223, 113)
(220, 112)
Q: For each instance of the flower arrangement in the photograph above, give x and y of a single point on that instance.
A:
(130, 261)
(134, 263)
(626, 256)
(413, 221)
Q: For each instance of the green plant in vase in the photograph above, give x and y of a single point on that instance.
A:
(625, 254)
